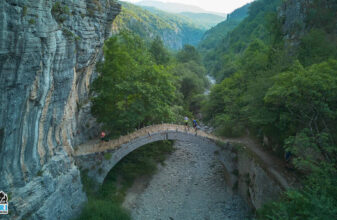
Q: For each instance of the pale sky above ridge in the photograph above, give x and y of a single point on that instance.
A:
(223, 6)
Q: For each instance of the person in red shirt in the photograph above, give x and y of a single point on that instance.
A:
(103, 136)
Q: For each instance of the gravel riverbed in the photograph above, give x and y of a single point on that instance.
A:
(190, 185)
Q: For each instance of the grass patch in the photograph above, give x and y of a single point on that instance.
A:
(105, 203)
(107, 156)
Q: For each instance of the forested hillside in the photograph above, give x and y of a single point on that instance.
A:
(205, 20)
(237, 35)
(174, 30)
(277, 74)
(215, 35)
(171, 7)
(143, 84)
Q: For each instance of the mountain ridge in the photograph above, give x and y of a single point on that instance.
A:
(212, 38)
(177, 7)
(175, 30)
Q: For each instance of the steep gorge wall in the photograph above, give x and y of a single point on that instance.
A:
(48, 50)
(299, 17)
(247, 175)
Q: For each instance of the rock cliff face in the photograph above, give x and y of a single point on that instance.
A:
(48, 50)
(299, 17)
(246, 175)
(293, 15)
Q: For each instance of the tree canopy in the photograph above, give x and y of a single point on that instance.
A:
(132, 91)
(286, 92)
(140, 85)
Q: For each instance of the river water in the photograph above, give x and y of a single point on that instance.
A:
(212, 82)
(190, 186)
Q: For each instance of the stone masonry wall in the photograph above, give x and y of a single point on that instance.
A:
(246, 175)
(98, 165)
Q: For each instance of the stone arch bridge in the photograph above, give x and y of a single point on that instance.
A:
(100, 157)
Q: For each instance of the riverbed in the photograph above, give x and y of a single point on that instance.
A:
(191, 185)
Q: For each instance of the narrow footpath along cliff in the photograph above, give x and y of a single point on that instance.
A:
(48, 50)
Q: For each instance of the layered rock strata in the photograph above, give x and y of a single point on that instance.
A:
(48, 52)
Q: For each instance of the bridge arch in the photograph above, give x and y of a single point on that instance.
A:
(99, 158)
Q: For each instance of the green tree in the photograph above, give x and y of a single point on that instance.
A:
(306, 99)
(316, 200)
(188, 53)
(131, 91)
(317, 46)
(191, 83)
(159, 52)
(265, 89)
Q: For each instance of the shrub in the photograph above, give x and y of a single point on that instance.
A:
(103, 209)
(71, 36)
(24, 11)
(60, 12)
(31, 21)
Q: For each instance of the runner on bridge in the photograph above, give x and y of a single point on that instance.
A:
(186, 121)
(103, 136)
(195, 125)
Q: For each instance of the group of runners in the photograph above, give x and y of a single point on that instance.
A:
(103, 136)
(195, 123)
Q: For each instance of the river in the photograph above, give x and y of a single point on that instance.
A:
(190, 185)
(212, 82)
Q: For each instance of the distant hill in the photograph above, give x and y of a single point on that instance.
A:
(172, 7)
(175, 30)
(206, 20)
(213, 37)
(221, 53)
(215, 34)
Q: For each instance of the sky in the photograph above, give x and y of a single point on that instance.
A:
(223, 6)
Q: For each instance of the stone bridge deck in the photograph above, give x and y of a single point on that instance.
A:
(96, 146)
